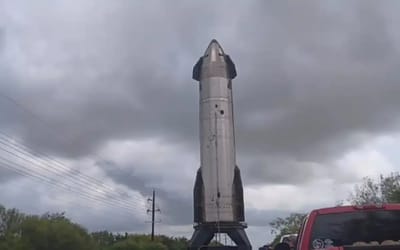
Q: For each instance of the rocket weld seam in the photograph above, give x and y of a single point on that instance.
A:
(214, 99)
(216, 161)
(225, 117)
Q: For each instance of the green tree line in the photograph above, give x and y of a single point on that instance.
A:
(19, 231)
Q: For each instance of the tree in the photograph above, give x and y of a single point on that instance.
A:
(54, 233)
(10, 221)
(172, 243)
(384, 190)
(47, 232)
(288, 225)
(390, 187)
(104, 239)
(139, 242)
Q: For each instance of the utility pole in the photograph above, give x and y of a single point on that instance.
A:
(153, 211)
(153, 215)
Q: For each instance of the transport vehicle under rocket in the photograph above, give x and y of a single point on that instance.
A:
(218, 190)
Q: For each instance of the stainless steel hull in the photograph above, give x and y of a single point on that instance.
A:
(218, 190)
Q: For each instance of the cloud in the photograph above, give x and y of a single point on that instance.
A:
(2, 35)
(34, 197)
(6, 174)
(300, 107)
(106, 86)
(151, 164)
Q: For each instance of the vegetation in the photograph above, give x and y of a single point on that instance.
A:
(56, 232)
(384, 190)
(288, 225)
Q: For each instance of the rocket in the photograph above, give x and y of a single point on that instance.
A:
(218, 192)
(218, 189)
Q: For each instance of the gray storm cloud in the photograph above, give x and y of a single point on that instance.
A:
(315, 79)
(304, 90)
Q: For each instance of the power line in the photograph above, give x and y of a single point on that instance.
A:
(19, 169)
(37, 117)
(124, 212)
(45, 157)
(32, 160)
(47, 166)
(22, 107)
(9, 165)
(53, 180)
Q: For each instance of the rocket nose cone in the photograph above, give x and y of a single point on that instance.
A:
(214, 51)
(214, 63)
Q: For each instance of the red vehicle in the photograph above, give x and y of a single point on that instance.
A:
(351, 227)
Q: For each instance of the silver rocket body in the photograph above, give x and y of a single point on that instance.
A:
(218, 190)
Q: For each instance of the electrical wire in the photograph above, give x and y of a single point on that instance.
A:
(47, 166)
(49, 160)
(61, 165)
(115, 209)
(57, 182)
(19, 169)
(37, 117)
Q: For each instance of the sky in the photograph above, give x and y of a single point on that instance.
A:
(97, 105)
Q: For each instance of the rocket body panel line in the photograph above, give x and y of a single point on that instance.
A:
(214, 99)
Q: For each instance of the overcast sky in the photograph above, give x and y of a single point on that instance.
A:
(104, 90)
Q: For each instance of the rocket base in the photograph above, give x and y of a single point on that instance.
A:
(204, 233)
